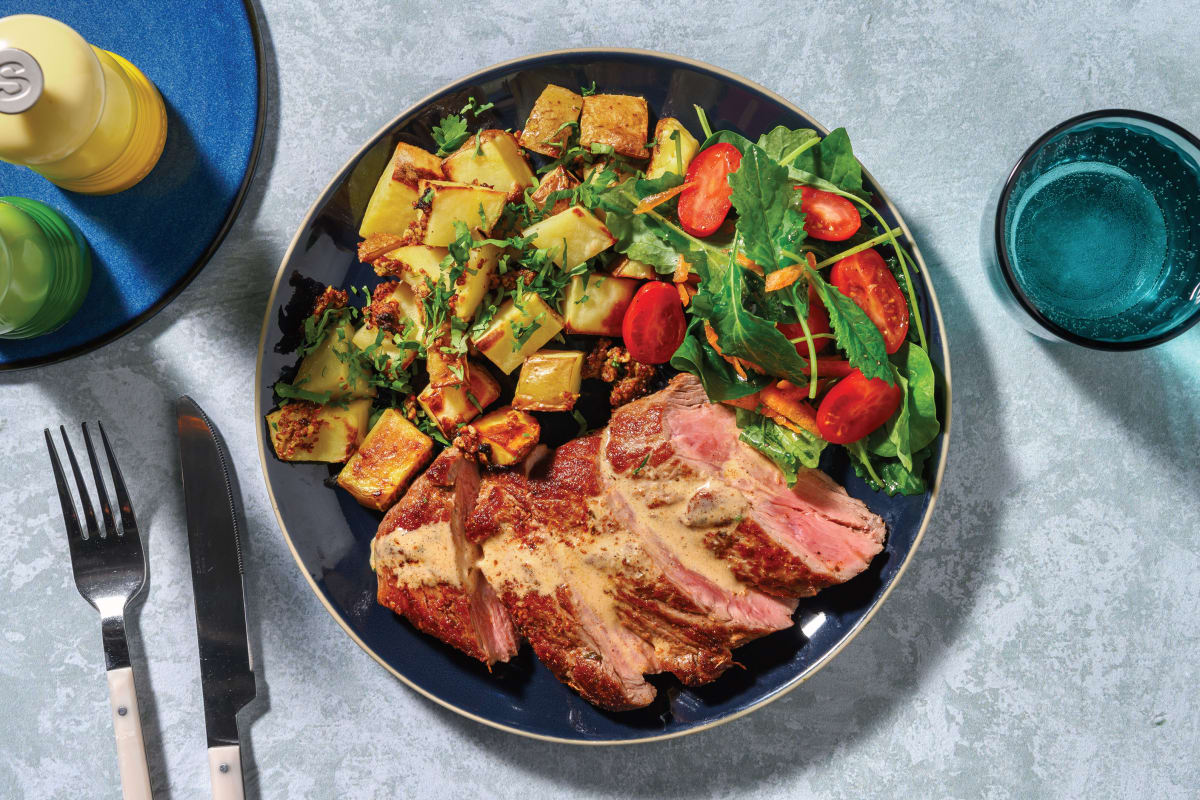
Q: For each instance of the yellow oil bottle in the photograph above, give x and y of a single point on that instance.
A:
(85, 118)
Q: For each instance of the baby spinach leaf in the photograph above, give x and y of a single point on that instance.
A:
(888, 475)
(834, 161)
(716, 374)
(780, 142)
(791, 451)
(729, 137)
(915, 425)
(855, 332)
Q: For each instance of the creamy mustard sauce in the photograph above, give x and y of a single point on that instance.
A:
(662, 507)
(425, 556)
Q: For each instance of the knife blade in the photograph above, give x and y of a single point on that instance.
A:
(226, 668)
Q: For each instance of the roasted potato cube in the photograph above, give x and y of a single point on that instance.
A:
(628, 268)
(558, 180)
(518, 331)
(619, 120)
(596, 304)
(549, 381)
(671, 153)
(506, 435)
(457, 403)
(387, 460)
(303, 431)
(412, 264)
(393, 312)
(332, 368)
(443, 203)
(390, 209)
(492, 159)
(571, 237)
(544, 132)
(472, 284)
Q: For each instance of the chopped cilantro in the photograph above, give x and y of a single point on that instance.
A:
(449, 134)
(588, 91)
(583, 423)
(642, 465)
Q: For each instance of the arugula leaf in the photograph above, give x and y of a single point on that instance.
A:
(855, 332)
(650, 238)
(834, 161)
(723, 300)
(767, 223)
(780, 142)
(915, 425)
(717, 375)
(449, 134)
(791, 451)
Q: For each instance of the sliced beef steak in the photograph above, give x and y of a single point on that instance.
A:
(563, 561)
(426, 567)
(675, 462)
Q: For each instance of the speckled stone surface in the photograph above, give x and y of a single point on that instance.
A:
(1043, 642)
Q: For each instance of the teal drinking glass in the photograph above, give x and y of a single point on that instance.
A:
(1097, 232)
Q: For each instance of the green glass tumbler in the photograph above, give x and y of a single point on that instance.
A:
(45, 269)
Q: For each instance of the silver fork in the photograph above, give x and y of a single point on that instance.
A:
(110, 570)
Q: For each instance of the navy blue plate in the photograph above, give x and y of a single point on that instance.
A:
(330, 534)
(150, 241)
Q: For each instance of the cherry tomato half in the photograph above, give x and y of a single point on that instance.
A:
(818, 322)
(704, 205)
(828, 217)
(855, 406)
(654, 327)
(865, 279)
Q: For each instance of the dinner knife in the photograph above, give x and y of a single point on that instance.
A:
(226, 669)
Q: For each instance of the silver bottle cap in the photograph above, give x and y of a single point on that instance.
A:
(20, 81)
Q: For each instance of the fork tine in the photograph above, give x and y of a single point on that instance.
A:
(110, 527)
(74, 534)
(89, 515)
(128, 523)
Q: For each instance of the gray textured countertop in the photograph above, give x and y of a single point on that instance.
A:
(1043, 642)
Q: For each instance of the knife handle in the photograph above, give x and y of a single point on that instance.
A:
(127, 724)
(225, 771)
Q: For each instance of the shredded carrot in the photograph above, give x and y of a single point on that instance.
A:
(782, 420)
(654, 200)
(811, 259)
(711, 335)
(749, 402)
(750, 265)
(684, 297)
(782, 278)
(682, 269)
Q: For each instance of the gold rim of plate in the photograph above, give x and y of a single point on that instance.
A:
(816, 666)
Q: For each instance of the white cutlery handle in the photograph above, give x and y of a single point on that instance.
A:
(225, 771)
(127, 724)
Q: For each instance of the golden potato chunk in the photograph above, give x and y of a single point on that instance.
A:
(412, 264)
(392, 314)
(628, 268)
(558, 180)
(618, 120)
(493, 158)
(332, 366)
(550, 381)
(386, 462)
(571, 237)
(674, 149)
(544, 131)
(596, 304)
(506, 435)
(442, 203)
(458, 403)
(303, 431)
(390, 209)
(518, 330)
(472, 284)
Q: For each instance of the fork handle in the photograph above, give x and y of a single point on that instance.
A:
(225, 772)
(127, 723)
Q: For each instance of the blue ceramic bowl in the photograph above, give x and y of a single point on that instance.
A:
(330, 534)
